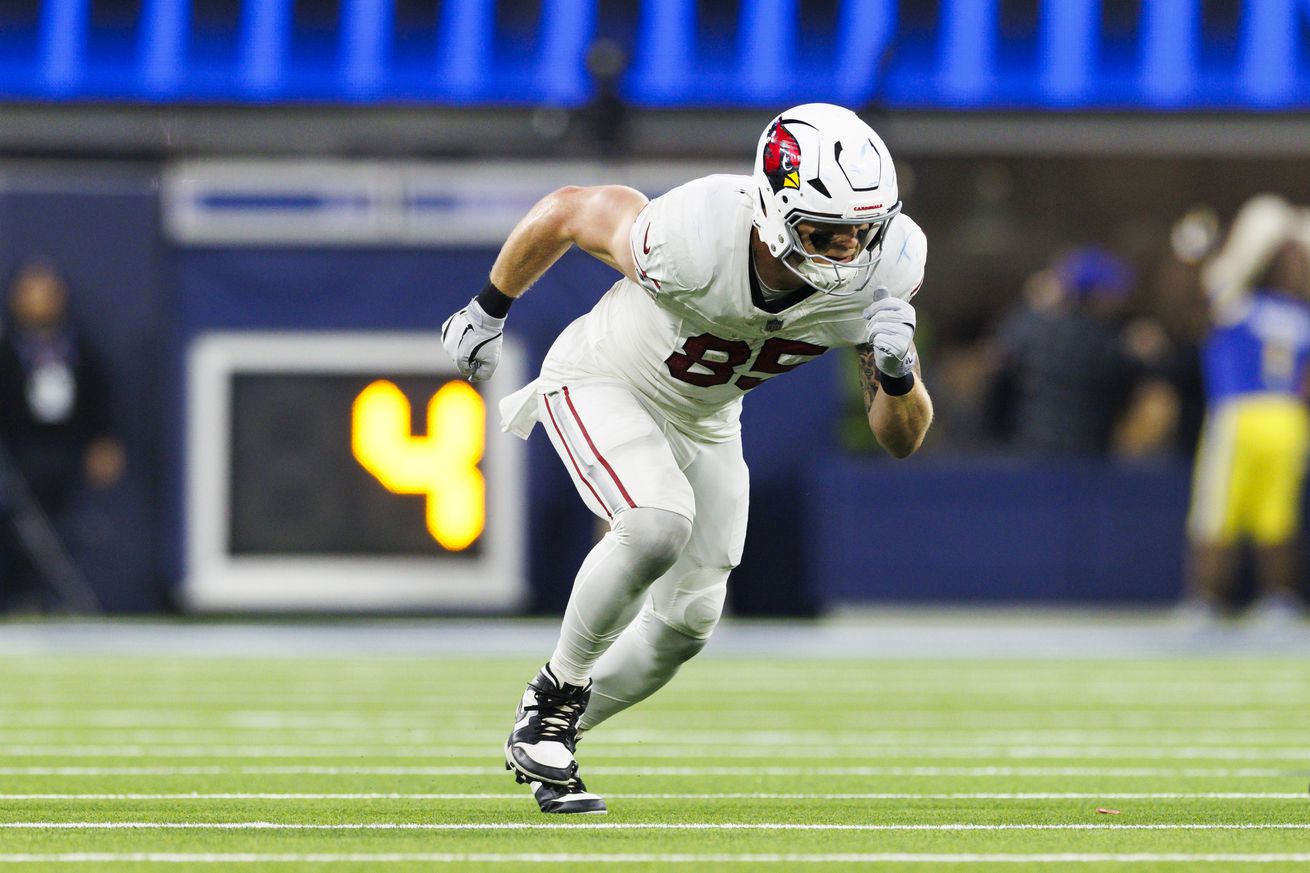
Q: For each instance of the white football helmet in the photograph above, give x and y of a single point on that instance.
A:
(820, 163)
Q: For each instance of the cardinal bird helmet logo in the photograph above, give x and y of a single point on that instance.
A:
(782, 158)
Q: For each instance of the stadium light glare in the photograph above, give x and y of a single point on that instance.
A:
(365, 43)
(162, 44)
(63, 42)
(265, 32)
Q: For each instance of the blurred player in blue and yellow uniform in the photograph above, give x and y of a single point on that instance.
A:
(1251, 463)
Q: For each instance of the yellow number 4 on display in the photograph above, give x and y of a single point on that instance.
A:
(443, 465)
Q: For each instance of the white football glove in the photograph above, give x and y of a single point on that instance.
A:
(891, 333)
(473, 340)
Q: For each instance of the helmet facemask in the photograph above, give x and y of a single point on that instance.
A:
(838, 278)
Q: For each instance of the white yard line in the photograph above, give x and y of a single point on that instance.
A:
(423, 714)
(942, 697)
(1195, 772)
(630, 826)
(519, 796)
(423, 718)
(391, 737)
(638, 858)
(870, 751)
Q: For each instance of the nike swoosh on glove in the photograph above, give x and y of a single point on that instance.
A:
(891, 334)
(473, 340)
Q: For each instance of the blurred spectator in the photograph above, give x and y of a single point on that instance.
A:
(1070, 376)
(606, 115)
(1251, 463)
(1176, 303)
(53, 419)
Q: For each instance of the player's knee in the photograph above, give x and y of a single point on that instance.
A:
(696, 614)
(703, 613)
(671, 645)
(656, 536)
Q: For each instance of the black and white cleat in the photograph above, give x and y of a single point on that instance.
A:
(545, 734)
(571, 798)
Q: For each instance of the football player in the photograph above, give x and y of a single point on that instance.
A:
(727, 281)
(1251, 461)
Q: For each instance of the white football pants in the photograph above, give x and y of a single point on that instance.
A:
(650, 593)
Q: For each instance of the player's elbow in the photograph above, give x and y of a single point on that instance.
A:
(901, 435)
(574, 212)
(555, 214)
(566, 196)
(899, 447)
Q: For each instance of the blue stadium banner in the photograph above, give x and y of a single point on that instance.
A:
(908, 54)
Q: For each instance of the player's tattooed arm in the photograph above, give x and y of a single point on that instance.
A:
(868, 375)
(899, 423)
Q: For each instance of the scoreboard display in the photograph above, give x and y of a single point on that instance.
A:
(336, 472)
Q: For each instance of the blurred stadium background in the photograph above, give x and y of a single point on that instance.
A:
(263, 206)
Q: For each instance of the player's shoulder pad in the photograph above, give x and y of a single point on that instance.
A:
(904, 257)
(675, 239)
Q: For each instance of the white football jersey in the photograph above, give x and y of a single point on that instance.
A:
(696, 333)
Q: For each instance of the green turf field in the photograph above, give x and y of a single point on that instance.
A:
(375, 763)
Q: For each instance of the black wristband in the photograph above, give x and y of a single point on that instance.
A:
(895, 386)
(493, 301)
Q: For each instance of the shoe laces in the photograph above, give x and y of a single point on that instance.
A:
(557, 715)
